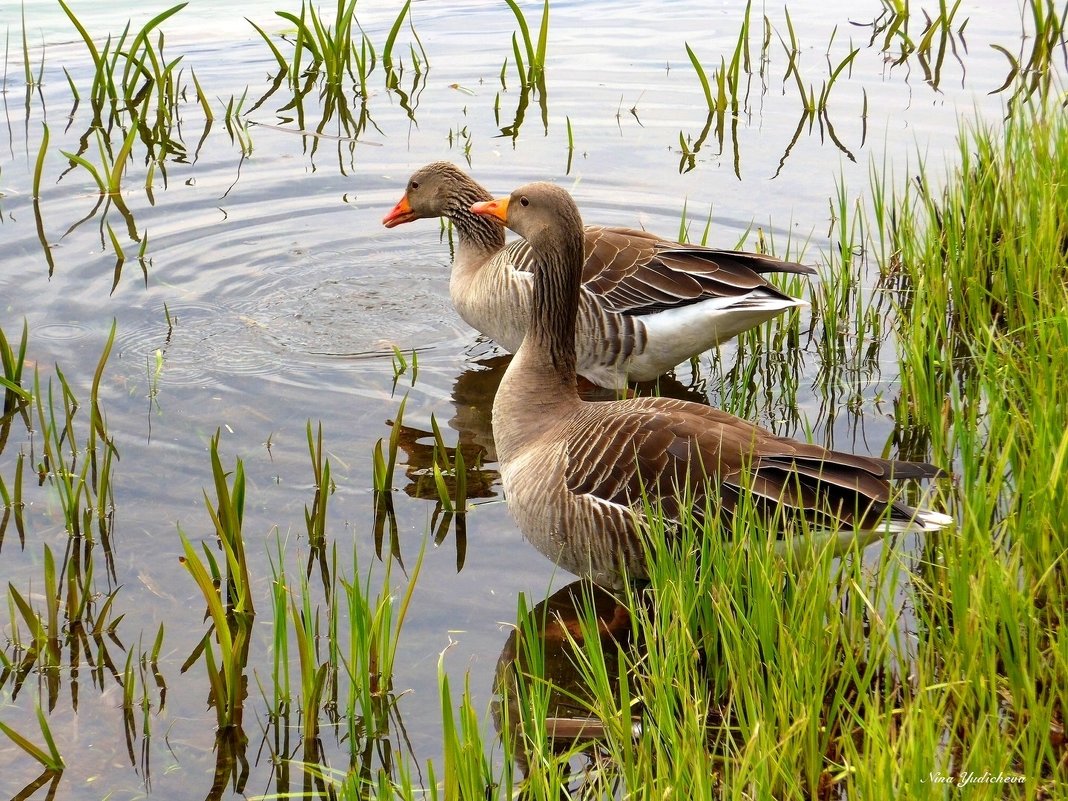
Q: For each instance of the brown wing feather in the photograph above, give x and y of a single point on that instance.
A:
(665, 451)
(635, 272)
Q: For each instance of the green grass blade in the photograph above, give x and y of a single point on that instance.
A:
(25, 50)
(519, 64)
(32, 750)
(76, 159)
(387, 49)
(543, 37)
(283, 65)
(141, 39)
(97, 421)
(38, 168)
(209, 115)
(31, 618)
(523, 30)
(115, 176)
(11, 386)
(702, 77)
(55, 760)
(93, 52)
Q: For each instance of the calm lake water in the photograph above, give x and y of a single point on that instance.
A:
(272, 296)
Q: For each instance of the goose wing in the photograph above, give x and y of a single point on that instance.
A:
(671, 453)
(635, 272)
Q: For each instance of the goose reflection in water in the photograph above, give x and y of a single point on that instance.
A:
(544, 648)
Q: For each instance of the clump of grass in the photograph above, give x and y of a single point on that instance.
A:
(313, 674)
(134, 97)
(984, 341)
(727, 78)
(82, 478)
(419, 58)
(974, 299)
(812, 102)
(531, 70)
(136, 674)
(847, 313)
(131, 70)
(892, 27)
(13, 363)
(678, 699)
(237, 125)
(718, 102)
(684, 226)
(329, 54)
(134, 87)
(328, 46)
(763, 382)
(315, 515)
(376, 619)
(346, 652)
(465, 773)
(1033, 73)
(724, 93)
(534, 67)
(229, 598)
(334, 51)
(281, 695)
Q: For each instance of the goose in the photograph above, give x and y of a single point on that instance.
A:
(647, 304)
(577, 475)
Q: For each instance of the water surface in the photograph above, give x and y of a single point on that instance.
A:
(271, 296)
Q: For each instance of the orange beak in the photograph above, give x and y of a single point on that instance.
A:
(402, 213)
(494, 209)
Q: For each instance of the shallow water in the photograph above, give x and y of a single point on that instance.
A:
(272, 296)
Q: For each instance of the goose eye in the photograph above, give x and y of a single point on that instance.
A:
(413, 185)
(523, 201)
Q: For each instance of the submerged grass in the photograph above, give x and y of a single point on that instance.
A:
(337, 58)
(134, 99)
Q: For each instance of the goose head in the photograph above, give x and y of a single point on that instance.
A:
(439, 189)
(545, 216)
